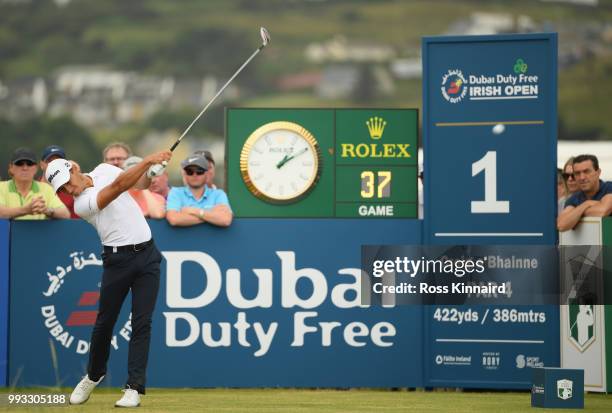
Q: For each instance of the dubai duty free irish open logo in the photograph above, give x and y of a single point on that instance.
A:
(454, 86)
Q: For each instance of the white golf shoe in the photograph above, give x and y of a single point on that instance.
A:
(130, 398)
(81, 392)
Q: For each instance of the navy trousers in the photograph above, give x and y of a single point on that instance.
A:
(125, 270)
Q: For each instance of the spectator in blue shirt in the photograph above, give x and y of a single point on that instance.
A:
(594, 199)
(196, 203)
(210, 174)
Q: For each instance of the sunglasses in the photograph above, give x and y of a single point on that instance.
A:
(567, 176)
(198, 171)
(24, 162)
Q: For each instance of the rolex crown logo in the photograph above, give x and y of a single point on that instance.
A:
(376, 126)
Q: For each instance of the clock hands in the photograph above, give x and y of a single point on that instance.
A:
(282, 162)
(287, 158)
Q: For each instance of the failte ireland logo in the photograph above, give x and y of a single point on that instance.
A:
(454, 86)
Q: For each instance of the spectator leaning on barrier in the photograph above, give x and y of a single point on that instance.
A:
(594, 199)
(159, 185)
(568, 174)
(196, 203)
(562, 190)
(210, 174)
(116, 153)
(51, 153)
(152, 205)
(21, 197)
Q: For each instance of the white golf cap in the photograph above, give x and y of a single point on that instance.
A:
(58, 173)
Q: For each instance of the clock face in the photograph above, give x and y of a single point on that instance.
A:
(280, 162)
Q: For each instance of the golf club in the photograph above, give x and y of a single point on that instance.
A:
(155, 170)
(265, 37)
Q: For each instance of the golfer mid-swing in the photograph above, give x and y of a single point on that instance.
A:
(131, 262)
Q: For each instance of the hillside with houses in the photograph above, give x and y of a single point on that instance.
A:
(136, 71)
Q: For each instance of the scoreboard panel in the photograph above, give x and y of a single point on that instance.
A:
(490, 128)
(322, 163)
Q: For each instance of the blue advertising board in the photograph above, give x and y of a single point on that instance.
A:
(489, 346)
(489, 125)
(490, 135)
(4, 295)
(265, 302)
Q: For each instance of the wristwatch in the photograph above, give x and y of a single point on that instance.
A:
(49, 212)
(201, 214)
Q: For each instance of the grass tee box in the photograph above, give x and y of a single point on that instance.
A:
(322, 163)
(305, 401)
(557, 388)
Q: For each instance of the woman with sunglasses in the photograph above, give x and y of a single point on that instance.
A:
(568, 175)
(196, 202)
(21, 197)
(562, 190)
(569, 185)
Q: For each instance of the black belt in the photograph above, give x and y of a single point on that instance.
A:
(128, 248)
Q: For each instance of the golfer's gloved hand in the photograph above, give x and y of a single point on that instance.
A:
(156, 170)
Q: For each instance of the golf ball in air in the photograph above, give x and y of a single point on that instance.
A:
(499, 129)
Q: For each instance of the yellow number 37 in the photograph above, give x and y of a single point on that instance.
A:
(368, 183)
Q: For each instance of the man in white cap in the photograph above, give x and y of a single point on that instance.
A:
(131, 262)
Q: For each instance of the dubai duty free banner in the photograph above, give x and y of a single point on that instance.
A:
(266, 302)
(4, 267)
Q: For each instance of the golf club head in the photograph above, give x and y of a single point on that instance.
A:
(265, 36)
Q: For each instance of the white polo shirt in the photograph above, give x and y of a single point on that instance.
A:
(122, 221)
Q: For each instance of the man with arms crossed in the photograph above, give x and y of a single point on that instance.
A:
(594, 199)
(131, 262)
(197, 203)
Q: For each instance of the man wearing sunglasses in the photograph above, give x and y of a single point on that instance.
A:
(594, 199)
(197, 203)
(210, 173)
(21, 197)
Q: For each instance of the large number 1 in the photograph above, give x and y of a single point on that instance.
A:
(490, 205)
